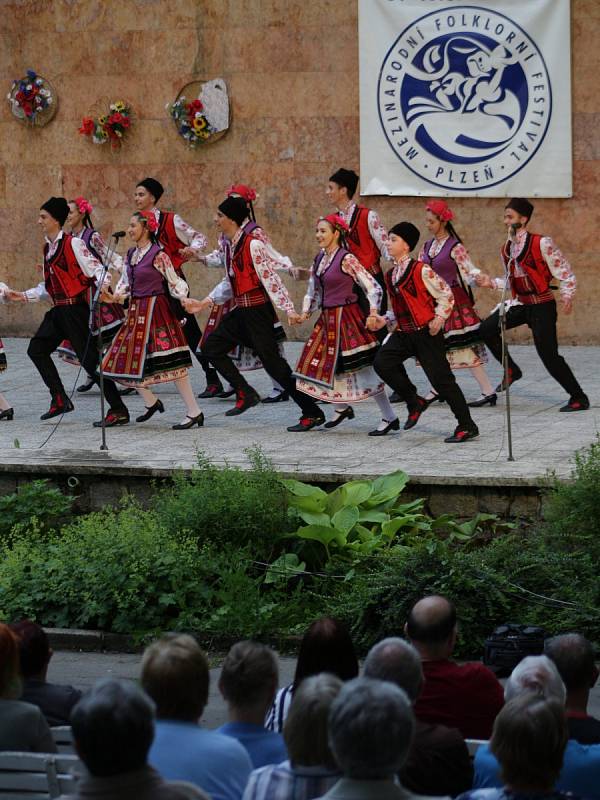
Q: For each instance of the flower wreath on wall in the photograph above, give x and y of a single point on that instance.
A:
(201, 112)
(111, 127)
(32, 99)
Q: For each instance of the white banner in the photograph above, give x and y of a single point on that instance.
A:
(465, 99)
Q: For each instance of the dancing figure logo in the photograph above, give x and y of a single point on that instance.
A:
(464, 98)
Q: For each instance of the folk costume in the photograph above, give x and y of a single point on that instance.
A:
(417, 295)
(531, 261)
(6, 412)
(254, 286)
(69, 272)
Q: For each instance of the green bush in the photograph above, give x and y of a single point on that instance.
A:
(35, 500)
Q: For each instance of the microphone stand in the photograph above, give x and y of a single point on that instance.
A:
(95, 320)
(505, 370)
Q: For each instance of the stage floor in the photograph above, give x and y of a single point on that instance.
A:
(543, 439)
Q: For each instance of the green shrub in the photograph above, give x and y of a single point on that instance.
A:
(34, 500)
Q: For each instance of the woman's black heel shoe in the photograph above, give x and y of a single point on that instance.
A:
(199, 421)
(486, 400)
(394, 425)
(347, 413)
(7, 414)
(150, 412)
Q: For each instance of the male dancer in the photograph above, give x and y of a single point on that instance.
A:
(421, 302)
(181, 243)
(69, 270)
(254, 285)
(530, 263)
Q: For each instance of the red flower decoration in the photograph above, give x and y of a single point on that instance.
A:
(87, 126)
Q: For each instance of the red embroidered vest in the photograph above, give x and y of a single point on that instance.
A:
(529, 274)
(360, 242)
(412, 303)
(243, 276)
(64, 279)
(171, 243)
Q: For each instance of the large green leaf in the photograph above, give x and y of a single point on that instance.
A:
(407, 508)
(303, 489)
(319, 533)
(308, 503)
(370, 515)
(392, 527)
(387, 488)
(345, 519)
(354, 493)
(284, 568)
(335, 501)
(315, 518)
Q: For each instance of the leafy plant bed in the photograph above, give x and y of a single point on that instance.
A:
(233, 553)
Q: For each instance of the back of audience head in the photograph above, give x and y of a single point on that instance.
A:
(574, 658)
(397, 661)
(175, 674)
(529, 740)
(34, 648)
(10, 684)
(371, 725)
(535, 674)
(249, 676)
(113, 728)
(306, 726)
(326, 647)
(431, 626)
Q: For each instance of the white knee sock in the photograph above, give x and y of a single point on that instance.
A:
(184, 387)
(482, 379)
(385, 407)
(147, 396)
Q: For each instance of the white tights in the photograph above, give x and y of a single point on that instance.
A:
(184, 387)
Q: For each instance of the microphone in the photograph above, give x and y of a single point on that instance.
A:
(119, 234)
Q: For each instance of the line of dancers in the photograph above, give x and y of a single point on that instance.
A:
(143, 325)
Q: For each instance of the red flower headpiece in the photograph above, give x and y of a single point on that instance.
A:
(440, 209)
(83, 205)
(337, 222)
(151, 222)
(245, 192)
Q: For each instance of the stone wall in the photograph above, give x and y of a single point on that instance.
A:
(292, 69)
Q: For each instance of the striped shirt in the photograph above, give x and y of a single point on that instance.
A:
(284, 782)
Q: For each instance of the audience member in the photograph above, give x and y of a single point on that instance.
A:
(248, 683)
(580, 772)
(529, 738)
(438, 761)
(54, 701)
(371, 724)
(464, 696)
(574, 659)
(311, 770)
(113, 726)
(326, 647)
(22, 725)
(175, 674)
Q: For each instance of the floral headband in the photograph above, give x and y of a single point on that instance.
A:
(440, 209)
(83, 205)
(241, 190)
(336, 222)
(150, 219)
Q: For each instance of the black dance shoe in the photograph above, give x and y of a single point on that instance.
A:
(126, 391)
(307, 424)
(85, 387)
(212, 390)
(245, 400)
(577, 404)
(7, 414)
(484, 400)
(463, 434)
(150, 412)
(435, 399)
(282, 397)
(225, 393)
(193, 421)
(61, 404)
(513, 375)
(340, 416)
(394, 425)
(113, 418)
(413, 416)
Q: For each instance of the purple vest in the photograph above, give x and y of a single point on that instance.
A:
(443, 264)
(144, 279)
(337, 287)
(86, 237)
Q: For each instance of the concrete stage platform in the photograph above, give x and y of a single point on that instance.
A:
(461, 478)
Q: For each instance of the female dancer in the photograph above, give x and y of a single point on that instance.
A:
(6, 412)
(150, 346)
(447, 255)
(108, 315)
(335, 365)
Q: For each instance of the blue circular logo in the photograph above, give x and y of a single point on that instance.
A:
(464, 98)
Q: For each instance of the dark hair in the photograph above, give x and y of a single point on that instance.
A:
(342, 240)
(153, 236)
(86, 219)
(249, 674)
(113, 728)
(326, 647)
(529, 740)
(175, 674)
(9, 663)
(573, 655)
(434, 631)
(34, 648)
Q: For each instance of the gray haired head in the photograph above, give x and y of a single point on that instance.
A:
(371, 726)
(305, 729)
(396, 660)
(536, 674)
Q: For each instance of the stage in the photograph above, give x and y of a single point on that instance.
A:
(458, 478)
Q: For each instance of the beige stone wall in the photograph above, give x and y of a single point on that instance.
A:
(292, 68)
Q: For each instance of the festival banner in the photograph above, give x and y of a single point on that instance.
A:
(465, 99)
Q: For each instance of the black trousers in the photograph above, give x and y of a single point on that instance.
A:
(253, 327)
(541, 319)
(69, 322)
(431, 352)
(193, 334)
